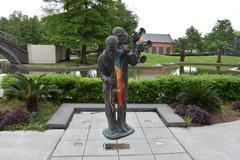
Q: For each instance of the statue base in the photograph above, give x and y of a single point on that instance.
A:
(117, 135)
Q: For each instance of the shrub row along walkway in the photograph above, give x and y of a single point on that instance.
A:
(152, 141)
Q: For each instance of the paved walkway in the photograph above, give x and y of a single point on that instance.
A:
(21, 145)
(83, 140)
(216, 142)
(151, 140)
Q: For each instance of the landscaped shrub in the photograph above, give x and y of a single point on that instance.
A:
(29, 89)
(197, 115)
(200, 94)
(181, 110)
(236, 105)
(163, 89)
(14, 117)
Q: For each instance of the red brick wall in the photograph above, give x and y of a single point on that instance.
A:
(163, 45)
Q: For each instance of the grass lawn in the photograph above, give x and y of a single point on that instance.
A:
(153, 60)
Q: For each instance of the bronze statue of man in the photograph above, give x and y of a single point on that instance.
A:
(113, 65)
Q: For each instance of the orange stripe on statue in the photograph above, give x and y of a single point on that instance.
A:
(120, 86)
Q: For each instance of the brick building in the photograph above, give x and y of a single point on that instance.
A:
(162, 44)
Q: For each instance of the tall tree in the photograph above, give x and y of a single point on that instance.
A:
(222, 37)
(182, 44)
(25, 29)
(87, 23)
(237, 40)
(194, 39)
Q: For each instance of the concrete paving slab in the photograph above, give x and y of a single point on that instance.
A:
(132, 120)
(70, 148)
(131, 115)
(81, 121)
(30, 145)
(166, 145)
(96, 148)
(217, 142)
(98, 115)
(83, 116)
(99, 120)
(133, 123)
(149, 119)
(96, 134)
(101, 158)
(82, 124)
(142, 157)
(138, 134)
(169, 117)
(143, 143)
(99, 125)
(61, 118)
(75, 134)
(137, 147)
(66, 158)
(154, 133)
(178, 156)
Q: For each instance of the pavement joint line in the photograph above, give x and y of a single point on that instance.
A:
(50, 155)
(89, 127)
(118, 151)
(170, 153)
(65, 156)
(145, 136)
(182, 145)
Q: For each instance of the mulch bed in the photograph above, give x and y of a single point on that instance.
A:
(227, 114)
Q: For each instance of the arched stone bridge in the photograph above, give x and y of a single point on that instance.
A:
(10, 48)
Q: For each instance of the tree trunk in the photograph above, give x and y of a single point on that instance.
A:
(219, 56)
(182, 55)
(83, 58)
(219, 59)
(67, 55)
(32, 103)
(182, 59)
(181, 69)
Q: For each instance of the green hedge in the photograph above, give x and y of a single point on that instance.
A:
(163, 89)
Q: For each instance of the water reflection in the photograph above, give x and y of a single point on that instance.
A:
(185, 70)
(146, 73)
(92, 73)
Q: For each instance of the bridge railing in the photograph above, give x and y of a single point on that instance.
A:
(9, 38)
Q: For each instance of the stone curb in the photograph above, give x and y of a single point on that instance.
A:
(63, 116)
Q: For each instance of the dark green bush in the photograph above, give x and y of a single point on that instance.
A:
(200, 94)
(163, 89)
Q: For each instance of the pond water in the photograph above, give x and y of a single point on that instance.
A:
(153, 73)
(148, 73)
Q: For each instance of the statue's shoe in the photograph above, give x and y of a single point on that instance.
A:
(117, 135)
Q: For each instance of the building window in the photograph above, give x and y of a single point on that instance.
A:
(168, 50)
(153, 50)
(161, 50)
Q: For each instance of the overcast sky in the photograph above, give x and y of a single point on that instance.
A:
(158, 16)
